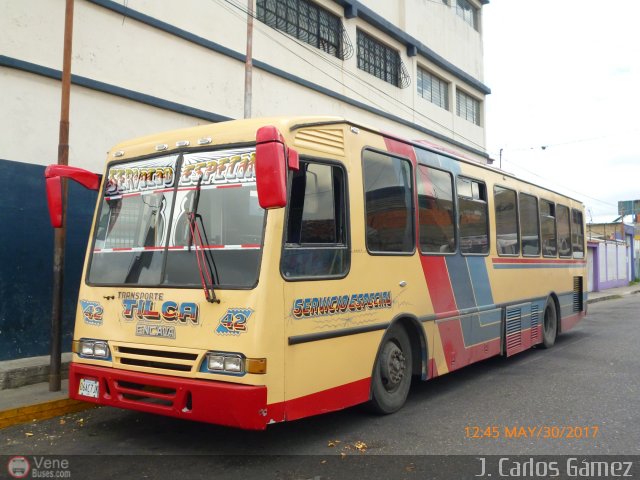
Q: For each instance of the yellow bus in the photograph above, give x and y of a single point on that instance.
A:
(255, 271)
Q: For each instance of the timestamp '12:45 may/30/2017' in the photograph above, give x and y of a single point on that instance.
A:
(532, 431)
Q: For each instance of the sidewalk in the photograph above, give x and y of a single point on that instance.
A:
(35, 402)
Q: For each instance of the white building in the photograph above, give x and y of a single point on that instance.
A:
(412, 67)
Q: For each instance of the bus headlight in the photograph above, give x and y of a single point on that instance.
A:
(233, 364)
(90, 348)
(225, 362)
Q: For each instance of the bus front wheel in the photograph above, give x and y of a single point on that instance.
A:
(550, 325)
(392, 372)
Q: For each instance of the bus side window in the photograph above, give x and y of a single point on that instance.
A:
(529, 225)
(388, 188)
(564, 231)
(436, 211)
(577, 233)
(473, 215)
(316, 232)
(548, 228)
(507, 242)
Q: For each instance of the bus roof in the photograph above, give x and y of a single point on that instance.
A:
(244, 130)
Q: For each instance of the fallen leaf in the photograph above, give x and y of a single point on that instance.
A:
(28, 434)
(360, 446)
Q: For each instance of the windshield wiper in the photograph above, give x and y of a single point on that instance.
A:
(206, 264)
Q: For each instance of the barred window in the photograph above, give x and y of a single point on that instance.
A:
(307, 22)
(381, 61)
(467, 12)
(467, 107)
(433, 89)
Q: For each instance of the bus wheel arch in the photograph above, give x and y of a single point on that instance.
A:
(401, 354)
(550, 321)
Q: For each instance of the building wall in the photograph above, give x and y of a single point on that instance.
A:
(144, 66)
(610, 264)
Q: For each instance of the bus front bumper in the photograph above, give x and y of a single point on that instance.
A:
(221, 403)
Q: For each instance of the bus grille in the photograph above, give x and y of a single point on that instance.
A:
(514, 328)
(328, 140)
(155, 358)
(535, 320)
(577, 294)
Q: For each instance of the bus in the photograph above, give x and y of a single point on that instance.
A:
(254, 271)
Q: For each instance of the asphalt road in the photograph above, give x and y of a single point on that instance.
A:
(518, 406)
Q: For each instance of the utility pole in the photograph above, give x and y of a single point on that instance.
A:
(248, 63)
(55, 363)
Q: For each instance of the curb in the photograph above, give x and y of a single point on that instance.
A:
(602, 299)
(42, 411)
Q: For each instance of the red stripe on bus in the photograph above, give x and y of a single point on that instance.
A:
(401, 148)
(567, 323)
(536, 261)
(328, 400)
(122, 249)
(456, 354)
(439, 284)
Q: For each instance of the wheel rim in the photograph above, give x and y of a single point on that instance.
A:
(549, 322)
(393, 366)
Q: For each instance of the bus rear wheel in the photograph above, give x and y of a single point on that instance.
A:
(550, 325)
(392, 372)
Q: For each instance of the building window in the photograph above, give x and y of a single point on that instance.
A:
(433, 89)
(548, 228)
(436, 211)
(307, 22)
(389, 203)
(474, 218)
(381, 61)
(506, 221)
(467, 12)
(467, 107)
(316, 239)
(529, 225)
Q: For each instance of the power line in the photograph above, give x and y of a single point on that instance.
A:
(563, 186)
(357, 78)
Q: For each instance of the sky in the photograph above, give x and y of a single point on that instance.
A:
(565, 101)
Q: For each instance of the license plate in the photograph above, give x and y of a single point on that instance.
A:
(88, 388)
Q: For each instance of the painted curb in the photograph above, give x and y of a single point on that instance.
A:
(42, 411)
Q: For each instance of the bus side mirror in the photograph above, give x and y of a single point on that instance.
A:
(53, 176)
(273, 160)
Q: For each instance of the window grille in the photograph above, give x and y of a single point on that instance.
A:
(307, 22)
(467, 12)
(433, 89)
(467, 107)
(381, 61)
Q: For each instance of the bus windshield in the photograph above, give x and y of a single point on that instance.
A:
(143, 236)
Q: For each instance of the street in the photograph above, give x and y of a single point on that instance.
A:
(538, 402)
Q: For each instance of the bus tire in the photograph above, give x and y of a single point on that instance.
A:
(550, 324)
(392, 372)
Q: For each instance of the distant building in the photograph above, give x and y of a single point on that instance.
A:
(414, 67)
(611, 255)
